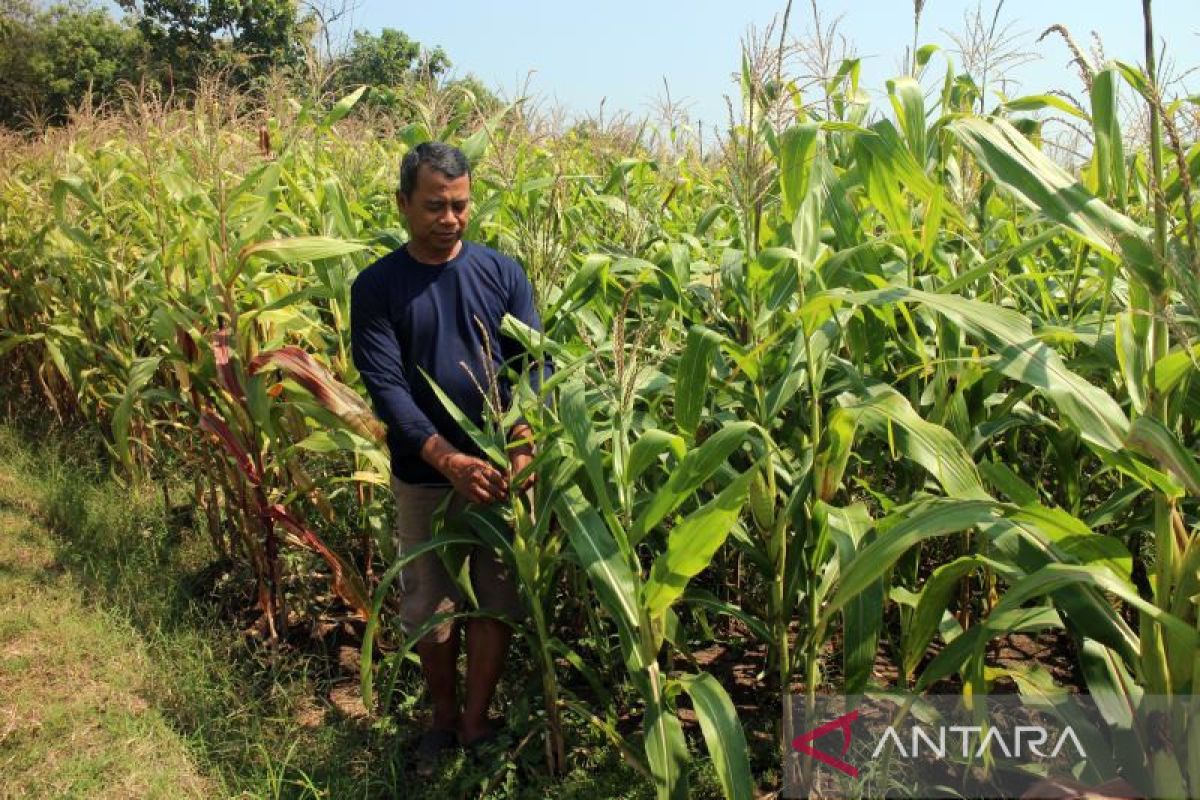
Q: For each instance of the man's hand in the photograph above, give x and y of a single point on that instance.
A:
(473, 478)
(520, 456)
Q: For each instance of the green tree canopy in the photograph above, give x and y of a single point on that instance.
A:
(51, 58)
(245, 37)
(389, 58)
(408, 75)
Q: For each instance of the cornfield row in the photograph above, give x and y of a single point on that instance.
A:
(895, 381)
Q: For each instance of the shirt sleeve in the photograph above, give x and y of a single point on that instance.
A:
(379, 360)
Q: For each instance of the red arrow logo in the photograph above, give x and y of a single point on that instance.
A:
(843, 723)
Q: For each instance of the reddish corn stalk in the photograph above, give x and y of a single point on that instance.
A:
(346, 583)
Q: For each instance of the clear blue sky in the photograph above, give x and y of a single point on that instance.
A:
(581, 52)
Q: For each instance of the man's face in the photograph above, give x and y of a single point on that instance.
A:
(437, 211)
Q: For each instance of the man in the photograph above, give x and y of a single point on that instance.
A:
(436, 305)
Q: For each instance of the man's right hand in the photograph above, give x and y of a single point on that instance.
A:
(473, 478)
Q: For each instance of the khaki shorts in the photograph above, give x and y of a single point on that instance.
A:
(425, 586)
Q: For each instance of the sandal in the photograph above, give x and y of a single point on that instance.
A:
(432, 747)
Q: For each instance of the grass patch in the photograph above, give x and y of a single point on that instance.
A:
(76, 720)
(131, 681)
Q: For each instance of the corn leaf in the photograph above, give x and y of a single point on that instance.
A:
(691, 381)
(723, 734)
(1025, 358)
(600, 557)
(140, 373)
(693, 469)
(1150, 438)
(300, 248)
(692, 544)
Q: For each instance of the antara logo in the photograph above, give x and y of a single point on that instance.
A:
(842, 723)
(1026, 741)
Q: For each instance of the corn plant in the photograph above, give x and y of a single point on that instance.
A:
(889, 382)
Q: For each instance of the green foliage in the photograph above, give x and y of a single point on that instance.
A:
(55, 58)
(410, 80)
(388, 58)
(50, 59)
(245, 38)
(903, 387)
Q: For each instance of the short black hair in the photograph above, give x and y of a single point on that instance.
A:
(446, 159)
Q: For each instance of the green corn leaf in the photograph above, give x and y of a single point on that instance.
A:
(1169, 371)
(850, 528)
(1148, 437)
(1109, 683)
(891, 153)
(1003, 478)
(1038, 102)
(691, 381)
(491, 444)
(1025, 358)
(692, 544)
(366, 660)
(577, 422)
(1026, 246)
(723, 735)
(262, 206)
(1053, 577)
(59, 360)
(797, 147)
(933, 600)
(908, 101)
(650, 444)
(1029, 174)
(382, 590)
(959, 652)
(140, 373)
(475, 146)
(897, 533)
(73, 184)
(535, 342)
(705, 599)
(892, 417)
(1067, 539)
(693, 470)
(342, 107)
(1106, 124)
(341, 441)
(300, 248)
(1131, 358)
(1135, 76)
(666, 752)
(600, 556)
(10, 340)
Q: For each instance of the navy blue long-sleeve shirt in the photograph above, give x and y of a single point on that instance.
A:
(406, 316)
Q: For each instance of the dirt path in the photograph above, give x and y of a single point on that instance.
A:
(73, 718)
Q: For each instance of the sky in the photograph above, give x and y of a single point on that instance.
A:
(578, 54)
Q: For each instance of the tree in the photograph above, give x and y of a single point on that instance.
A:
(390, 58)
(410, 78)
(50, 59)
(16, 20)
(245, 38)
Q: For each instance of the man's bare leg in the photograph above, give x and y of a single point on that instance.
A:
(487, 644)
(439, 662)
